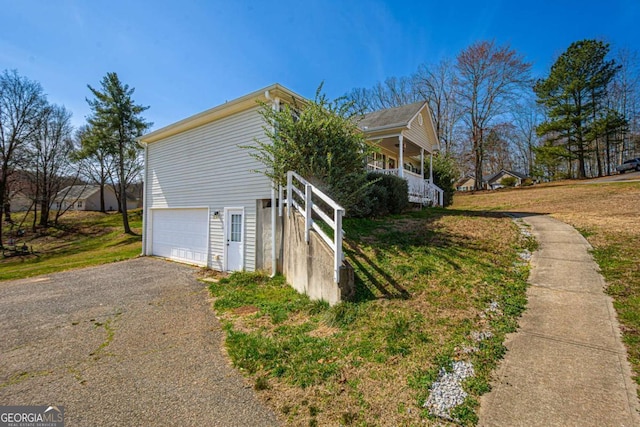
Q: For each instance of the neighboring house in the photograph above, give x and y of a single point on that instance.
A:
(466, 183)
(87, 198)
(19, 201)
(495, 181)
(21, 191)
(206, 205)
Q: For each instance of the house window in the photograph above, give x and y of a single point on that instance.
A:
(79, 205)
(377, 161)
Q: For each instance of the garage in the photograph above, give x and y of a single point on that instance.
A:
(181, 235)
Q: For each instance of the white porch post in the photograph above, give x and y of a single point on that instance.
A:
(401, 155)
(431, 169)
(422, 163)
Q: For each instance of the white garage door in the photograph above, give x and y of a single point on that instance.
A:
(180, 234)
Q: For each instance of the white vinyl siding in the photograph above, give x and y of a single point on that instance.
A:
(206, 167)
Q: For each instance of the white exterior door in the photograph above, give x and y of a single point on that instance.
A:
(235, 239)
(181, 235)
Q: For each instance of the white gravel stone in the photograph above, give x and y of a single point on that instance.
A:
(481, 335)
(446, 391)
(470, 349)
(525, 255)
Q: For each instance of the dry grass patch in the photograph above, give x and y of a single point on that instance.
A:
(423, 280)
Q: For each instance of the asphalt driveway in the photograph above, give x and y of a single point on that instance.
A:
(132, 343)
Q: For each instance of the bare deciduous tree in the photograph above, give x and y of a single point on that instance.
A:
(21, 104)
(527, 115)
(435, 84)
(624, 97)
(50, 157)
(95, 159)
(488, 78)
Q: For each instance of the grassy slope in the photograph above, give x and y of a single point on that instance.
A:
(423, 279)
(608, 215)
(82, 239)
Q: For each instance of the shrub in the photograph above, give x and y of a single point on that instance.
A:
(384, 195)
(508, 181)
(320, 140)
(527, 182)
(445, 173)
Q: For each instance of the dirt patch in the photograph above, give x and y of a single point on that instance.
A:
(324, 331)
(210, 275)
(246, 310)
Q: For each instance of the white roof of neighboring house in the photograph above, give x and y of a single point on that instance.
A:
(83, 192)
(77, 192)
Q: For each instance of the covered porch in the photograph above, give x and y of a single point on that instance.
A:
(406, 141)
(421, 190)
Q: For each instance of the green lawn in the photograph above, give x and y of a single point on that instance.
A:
(424, 282)
(81, 239)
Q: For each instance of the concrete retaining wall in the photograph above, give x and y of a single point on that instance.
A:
(263, 237)
(309, 267)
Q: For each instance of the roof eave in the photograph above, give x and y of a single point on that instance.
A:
(393, 128)
(243, 103)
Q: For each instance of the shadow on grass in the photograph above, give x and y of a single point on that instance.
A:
(388, 287)
(405, 237)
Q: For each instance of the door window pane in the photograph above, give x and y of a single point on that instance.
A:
(236, 227)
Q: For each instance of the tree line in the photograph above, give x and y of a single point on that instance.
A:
(490, 113)
(41, 153)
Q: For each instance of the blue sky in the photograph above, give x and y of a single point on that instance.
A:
(186, 56)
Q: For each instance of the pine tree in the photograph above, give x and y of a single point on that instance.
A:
(117, 119)
(572, 94)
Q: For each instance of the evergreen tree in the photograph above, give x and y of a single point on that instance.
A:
(445, 173)
(118, 121)
(572, 94)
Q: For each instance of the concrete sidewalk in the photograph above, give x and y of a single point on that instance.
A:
(566, 365)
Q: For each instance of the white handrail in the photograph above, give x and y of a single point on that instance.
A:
(307, 207)
(420, 190)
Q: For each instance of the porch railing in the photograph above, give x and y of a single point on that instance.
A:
(421, 190)
(300, 195)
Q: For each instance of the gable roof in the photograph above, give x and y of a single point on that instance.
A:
(391, 117)
(79, 192)
(83, 192)
(224, 110)
(464, 179)
(509, 172)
